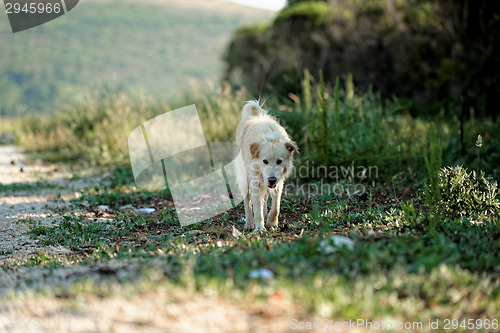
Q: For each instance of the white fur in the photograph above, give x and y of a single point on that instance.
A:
(261, 138)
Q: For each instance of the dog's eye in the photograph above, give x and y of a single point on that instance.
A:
(266, 161)
(279, 161)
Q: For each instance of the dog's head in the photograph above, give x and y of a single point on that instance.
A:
(273, 160)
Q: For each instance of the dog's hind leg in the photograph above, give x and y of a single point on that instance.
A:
(272, 218)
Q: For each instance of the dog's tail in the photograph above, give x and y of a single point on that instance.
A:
(252, 109)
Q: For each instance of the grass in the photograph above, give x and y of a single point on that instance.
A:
(16, 187)
(409, 263)
(95, 131)
(398, 269)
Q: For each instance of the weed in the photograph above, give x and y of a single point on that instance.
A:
(72, 230)
(39, 259)
(466, 193)
(409, 211)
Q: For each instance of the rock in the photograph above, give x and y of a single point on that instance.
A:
(335, 242)
(261, 273)
(146, 210)
(7, 139)
(103, 208)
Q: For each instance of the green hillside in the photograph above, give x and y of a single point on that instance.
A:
(153, 48)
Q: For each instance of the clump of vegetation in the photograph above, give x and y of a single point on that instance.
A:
(433, 163)
(465, 193)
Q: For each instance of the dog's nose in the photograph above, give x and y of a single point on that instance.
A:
(272, 181)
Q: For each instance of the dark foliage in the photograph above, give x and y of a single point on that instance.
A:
(438, 54)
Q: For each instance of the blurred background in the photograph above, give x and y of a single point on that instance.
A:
(154, 48)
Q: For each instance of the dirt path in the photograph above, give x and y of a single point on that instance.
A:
(32, 191)
(41, 192)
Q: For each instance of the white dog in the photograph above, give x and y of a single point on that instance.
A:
(267, 156)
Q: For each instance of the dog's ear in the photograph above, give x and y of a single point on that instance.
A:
(254, 150)
(292, 148)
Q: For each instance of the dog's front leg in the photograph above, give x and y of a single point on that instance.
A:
(249, 223)
(258, 205)
(272, 218)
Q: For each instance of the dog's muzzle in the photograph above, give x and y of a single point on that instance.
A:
(271, 182)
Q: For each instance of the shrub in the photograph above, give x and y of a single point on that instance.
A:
(466, 193)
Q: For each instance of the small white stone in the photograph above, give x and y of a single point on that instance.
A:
(339, 241)
(335, 242)
(103, 208)
(146, 210)
(261, 273)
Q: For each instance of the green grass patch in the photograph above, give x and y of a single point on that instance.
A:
(16, 187)
(121, 196)
(72, 231)
(336, 129)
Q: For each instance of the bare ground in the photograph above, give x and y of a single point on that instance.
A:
(34, 191)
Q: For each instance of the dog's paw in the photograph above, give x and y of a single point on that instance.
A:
(272, 222)
(260, 229)
(260, 226)
(249, 225)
